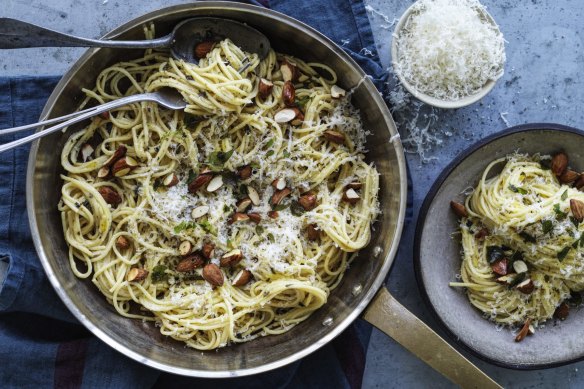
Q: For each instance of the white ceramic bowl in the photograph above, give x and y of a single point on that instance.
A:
(433, 101)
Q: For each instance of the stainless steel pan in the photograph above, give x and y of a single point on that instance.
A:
(143, 342)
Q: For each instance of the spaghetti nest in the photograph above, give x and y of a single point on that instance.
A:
(147, 235)
(522, 242)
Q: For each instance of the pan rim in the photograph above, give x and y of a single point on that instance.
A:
(522, 128)
(366, 297)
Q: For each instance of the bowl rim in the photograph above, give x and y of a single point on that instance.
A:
(433, 101)
(421, 221)
(367, 296)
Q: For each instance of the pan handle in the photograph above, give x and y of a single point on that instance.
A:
(389, 316)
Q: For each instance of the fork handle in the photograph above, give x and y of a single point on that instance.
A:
(88, 113)
(16, 34)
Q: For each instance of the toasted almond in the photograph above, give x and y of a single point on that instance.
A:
(350, 196)
(289, 71)
(253, 195)
(137, 274)
(299, 118)
(238, 217)
(190, 263)
(577, 208)
(334, 136)
(500, 267)
(482, 233)
(531, 330)
(123, 166)
(459, 209)
(569, 176)
(86, 151)
(119, 153)
(288, 94)
(242, 205)
(199, 211)
(285, 115)
(337, 92)
(241, 278)
(354, 185)
(122, 242)
(279, 183)
(203, 48)
(105, 115)
(562, 311)
(526, 286)
(255, 217)
(308, 201)
(273, 214)
(559, 163)
(506, 279)
(579, 184)
(279, 195)
(244, 172)
(215, 183)
(208, 250)
(109, 195)
(199, 182)
(519, 266)
(170, 180)
(231, 258)
(104, 173)
(312, 233)
(265, 88)
(523, 332)
(185, 248)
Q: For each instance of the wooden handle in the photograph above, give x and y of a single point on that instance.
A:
(389, 316)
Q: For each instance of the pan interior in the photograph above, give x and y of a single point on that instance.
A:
(142, 341)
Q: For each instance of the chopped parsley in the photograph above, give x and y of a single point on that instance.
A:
(527, 237)
(564, 195)
(547, 226)
(159, 274)
(559, 214)
(184, 226)
(562, 254)
(516, 189)
(217, 160)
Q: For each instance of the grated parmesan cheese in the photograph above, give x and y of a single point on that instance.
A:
(448, 49)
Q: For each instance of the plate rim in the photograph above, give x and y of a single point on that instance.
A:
(421, 220)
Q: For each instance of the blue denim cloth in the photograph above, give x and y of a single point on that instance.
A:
(43, 345)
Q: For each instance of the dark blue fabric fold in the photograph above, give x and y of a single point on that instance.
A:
(41, 343)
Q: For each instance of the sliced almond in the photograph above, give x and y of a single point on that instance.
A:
(523, 332)
(208, 250)
(238, 217)
(577, 208)
(124, 166)
(279, 195)
(279, 183)
(507, 279)
(273, 214)
(559, 163)
(253, 195)
(337, 92)
(122, 242)
(199, 211)
(312, 233)
(288, 94)
(334, 136)
(215, 183)
(119, 153)
(350, 196)
(458, 209)
(241, 278)
(185, 248)
(526, 286)
(203, 48)
(110, 195)
(86, 152)
(231, 258)
(190, 263)
(255, 217)
(104, 173)
(243, 204)
(170, 180)
(308, 201)
(569, 176)
(199, 182)
(285, 115)
(244, 172)
(137, 274)
(482, 233)
(519, 266)
(562, 311)
(265, 88)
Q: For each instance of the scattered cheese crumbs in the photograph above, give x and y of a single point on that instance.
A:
(448, 49)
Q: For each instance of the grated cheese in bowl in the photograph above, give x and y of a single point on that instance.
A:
(449, 51)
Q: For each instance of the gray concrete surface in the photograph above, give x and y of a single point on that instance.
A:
(543, 83)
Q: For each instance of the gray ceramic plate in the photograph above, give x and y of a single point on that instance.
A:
(437, 255)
